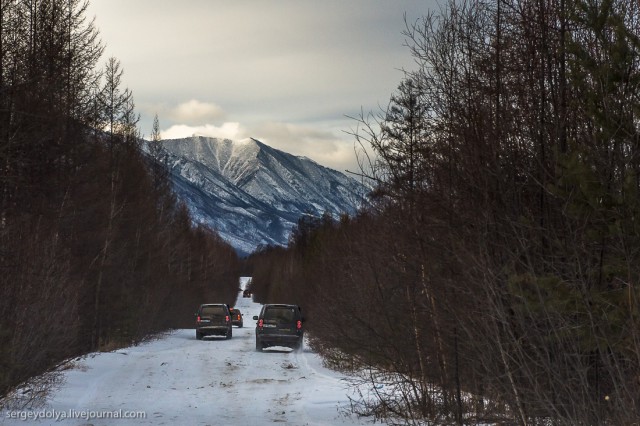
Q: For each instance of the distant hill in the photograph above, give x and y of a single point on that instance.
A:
(253, 194)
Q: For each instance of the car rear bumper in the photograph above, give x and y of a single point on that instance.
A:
(213, 330)
(279, 339)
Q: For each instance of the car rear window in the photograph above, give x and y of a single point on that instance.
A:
(279, 314)
(213, 311)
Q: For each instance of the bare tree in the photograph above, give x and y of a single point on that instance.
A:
(507, 183)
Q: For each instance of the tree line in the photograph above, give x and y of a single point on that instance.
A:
(494, 278)
(96, 252)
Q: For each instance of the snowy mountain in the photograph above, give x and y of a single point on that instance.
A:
(251, 193)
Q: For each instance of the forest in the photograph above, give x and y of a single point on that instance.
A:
(96, 252)
(494, 276)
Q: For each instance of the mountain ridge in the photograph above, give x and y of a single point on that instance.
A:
(251, 193)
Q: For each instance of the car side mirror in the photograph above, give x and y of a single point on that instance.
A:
(255, 317)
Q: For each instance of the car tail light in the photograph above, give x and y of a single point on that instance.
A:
(238, 317)
(260, 323)
(226, 318)
(299, 325)
(198, 320)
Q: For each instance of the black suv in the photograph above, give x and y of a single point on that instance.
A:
(279, 325)
(213, 320)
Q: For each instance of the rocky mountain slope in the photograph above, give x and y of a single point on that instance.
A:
(253, 194)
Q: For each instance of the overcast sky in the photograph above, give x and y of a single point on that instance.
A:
(286, 72)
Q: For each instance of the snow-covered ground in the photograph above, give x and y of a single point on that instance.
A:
(179, 380)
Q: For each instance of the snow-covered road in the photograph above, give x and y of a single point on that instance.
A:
(180, 380)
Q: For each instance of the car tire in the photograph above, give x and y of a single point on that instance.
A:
(259, 346)
(198, 335)
(240, 325)
(229, 334)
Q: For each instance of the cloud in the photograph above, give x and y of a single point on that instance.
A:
(195, 112)
(228, 130)
(307, 63)
(296, 139)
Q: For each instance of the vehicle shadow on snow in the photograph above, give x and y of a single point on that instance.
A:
(278, 350)
(237, 335)
(212, 338)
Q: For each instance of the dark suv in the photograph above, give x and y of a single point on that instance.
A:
(213, 320)
(279, 325)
